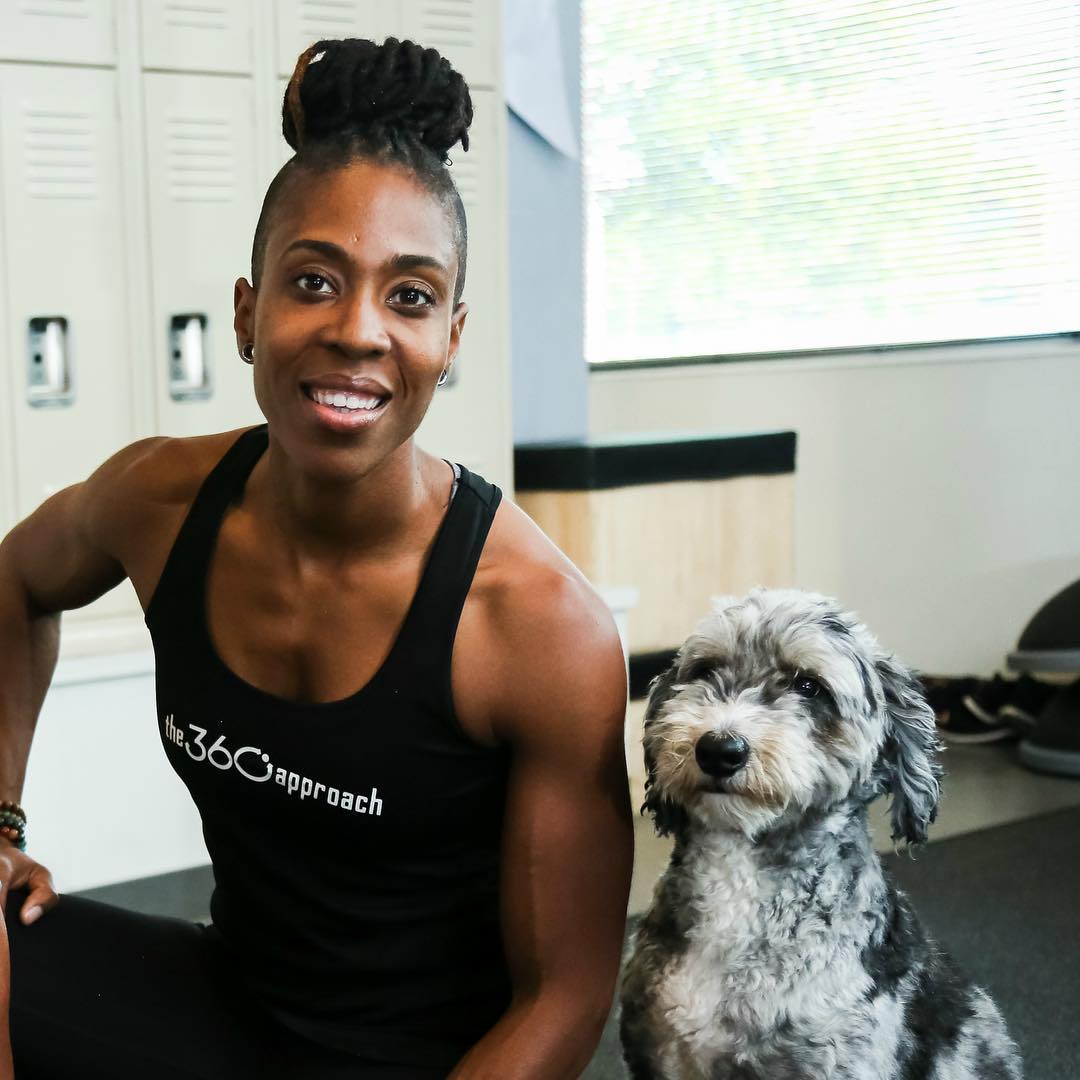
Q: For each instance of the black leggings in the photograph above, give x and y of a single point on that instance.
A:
(99, 992)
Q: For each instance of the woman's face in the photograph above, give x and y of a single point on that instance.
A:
(354, 318)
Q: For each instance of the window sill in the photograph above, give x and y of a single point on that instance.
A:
(951, 352)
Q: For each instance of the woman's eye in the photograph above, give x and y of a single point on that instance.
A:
(316, 283)
(413, 296)
(805, 686)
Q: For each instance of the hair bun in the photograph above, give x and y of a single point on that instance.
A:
(358, 87)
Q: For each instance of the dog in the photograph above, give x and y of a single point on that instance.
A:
(775, 948)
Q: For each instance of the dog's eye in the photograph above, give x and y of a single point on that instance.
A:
(805, 686)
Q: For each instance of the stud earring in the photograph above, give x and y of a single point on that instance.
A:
(247, 353)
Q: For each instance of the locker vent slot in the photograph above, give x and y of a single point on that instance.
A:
(196, 14)
(64, 9)
(59, 153)
(330, 18)
(448, 22)
(464, 173)
(200, 157)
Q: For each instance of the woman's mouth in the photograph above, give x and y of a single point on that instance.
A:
(342, 410)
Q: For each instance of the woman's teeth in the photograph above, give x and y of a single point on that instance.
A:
(344, 401)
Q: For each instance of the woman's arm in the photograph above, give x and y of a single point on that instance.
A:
(568, 836)
(59, 558)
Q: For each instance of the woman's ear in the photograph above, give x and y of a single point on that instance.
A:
(243, 312)
(908, 764)
(457, 324)
(669, 816)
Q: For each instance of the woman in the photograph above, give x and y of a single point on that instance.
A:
(422, 877)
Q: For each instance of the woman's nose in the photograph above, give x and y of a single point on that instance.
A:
(363, 326)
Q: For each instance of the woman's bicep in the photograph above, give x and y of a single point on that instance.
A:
(67, 552)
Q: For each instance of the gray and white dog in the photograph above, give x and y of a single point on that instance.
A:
(775, 948)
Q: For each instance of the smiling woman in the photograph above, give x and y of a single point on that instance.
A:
(398, 708)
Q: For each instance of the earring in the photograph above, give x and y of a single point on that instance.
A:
(444, 376)
(247, 353)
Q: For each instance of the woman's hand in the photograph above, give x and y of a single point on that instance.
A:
(19, 871)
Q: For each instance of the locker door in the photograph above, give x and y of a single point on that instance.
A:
(301, 22)
(63, 213)
(211, 35)
(70, 31)
(204, 203)
(7, 438)
(466, 32)
(469, 419)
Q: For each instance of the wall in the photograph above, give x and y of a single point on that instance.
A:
(549, 377)
(936, 490)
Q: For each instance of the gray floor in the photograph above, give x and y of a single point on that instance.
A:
(984, 786)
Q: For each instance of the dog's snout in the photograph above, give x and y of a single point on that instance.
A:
(721, 755)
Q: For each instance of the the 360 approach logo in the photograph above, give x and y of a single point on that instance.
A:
(254, 765)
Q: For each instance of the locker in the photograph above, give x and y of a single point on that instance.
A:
(197, 35)
(301, 22)
(203, 205)
(464, 31)
(63, 212)
(469, 418)
(282, 150)
(7, 436)
(66, 31)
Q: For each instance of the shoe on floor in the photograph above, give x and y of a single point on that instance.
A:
(960, 725)
(957, 721)
(986, 698)
(1027, 701)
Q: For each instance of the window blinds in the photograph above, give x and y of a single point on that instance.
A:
(774, 175)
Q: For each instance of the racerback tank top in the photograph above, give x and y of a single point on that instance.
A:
(355, 843)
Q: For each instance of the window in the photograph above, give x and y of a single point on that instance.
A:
(775, 175)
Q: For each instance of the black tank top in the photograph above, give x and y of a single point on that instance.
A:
(355, 843)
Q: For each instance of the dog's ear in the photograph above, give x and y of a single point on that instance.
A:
(908, 765)
(668, 816)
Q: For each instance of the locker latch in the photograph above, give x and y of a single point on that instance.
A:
(48, 375)
(189, 358)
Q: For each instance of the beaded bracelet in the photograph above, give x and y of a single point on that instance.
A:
(13, 823)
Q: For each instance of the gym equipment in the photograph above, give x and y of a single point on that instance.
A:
(1051, 643)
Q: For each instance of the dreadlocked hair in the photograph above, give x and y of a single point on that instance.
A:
(396, 104)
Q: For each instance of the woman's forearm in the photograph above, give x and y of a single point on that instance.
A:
(29, 644)
(551, 1037)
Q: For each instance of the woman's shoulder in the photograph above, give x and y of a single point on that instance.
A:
(541, 640)
(163, 469)
(147, 486)
(530, 587)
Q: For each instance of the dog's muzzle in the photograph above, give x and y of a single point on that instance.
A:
(721, 755)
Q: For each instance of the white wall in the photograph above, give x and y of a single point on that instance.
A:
(103, 802)
(937, 490)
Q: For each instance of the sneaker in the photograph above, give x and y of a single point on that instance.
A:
(941, 691)
(959, 723)
(987, 697)
(1027, 701)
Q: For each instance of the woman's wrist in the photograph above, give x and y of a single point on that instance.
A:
(13, 824)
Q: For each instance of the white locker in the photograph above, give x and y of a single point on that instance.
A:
(302, 22)
(203, 203)
(207, 35)
(282, 150)
(469, 417)
(7, 436)
(464, 31)
(63, 212)
(64, 31)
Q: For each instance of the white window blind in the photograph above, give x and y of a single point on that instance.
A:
(776, 175)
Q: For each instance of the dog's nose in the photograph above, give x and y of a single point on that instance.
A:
(721, 755)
